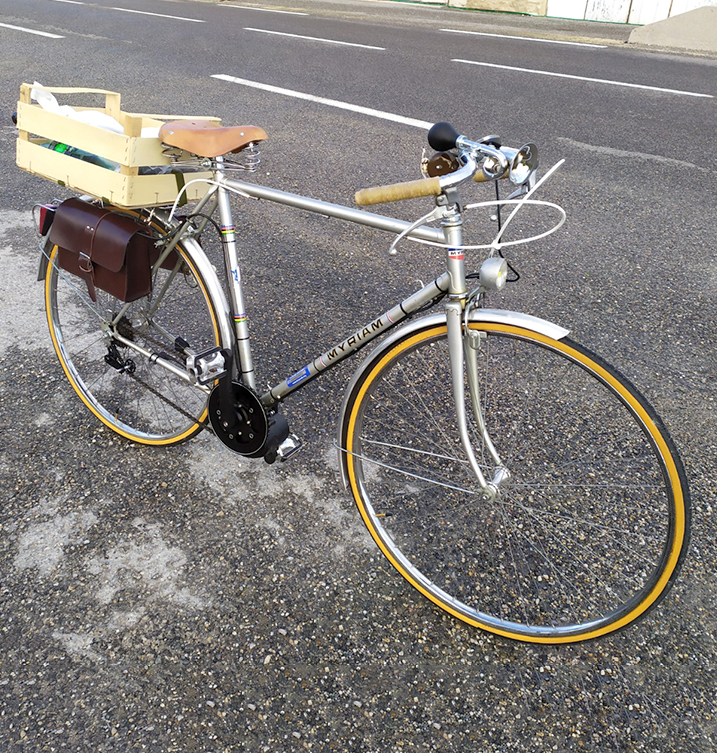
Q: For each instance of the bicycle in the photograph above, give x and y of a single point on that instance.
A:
(511, 476)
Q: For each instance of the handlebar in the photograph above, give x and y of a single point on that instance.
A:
(415, 188)
(498, 162)
(398, 191)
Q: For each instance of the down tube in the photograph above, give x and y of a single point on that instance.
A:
(433, 292)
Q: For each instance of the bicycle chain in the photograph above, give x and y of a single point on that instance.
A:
(128, 334)
(202, 424)
(151, 340)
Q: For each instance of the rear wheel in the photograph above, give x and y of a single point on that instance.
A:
(586, 536)
(133, 395)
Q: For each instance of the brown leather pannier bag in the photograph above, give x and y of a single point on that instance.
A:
(109, 251)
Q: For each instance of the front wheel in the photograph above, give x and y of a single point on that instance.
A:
(585, 537)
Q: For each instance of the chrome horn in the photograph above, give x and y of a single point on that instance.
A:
(523, 164)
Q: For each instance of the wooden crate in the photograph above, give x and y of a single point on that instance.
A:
(124, 187)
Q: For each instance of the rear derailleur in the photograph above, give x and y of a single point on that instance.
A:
(114, 359)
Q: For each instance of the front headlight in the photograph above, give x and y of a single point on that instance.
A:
(494, 273)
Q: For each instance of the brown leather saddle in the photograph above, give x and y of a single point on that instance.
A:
(207, 138)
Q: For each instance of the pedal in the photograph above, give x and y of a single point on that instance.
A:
(205, 367)
(289, 447)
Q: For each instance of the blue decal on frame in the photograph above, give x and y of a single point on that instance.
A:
(298, 377)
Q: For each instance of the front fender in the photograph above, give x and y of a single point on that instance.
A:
(493, 316)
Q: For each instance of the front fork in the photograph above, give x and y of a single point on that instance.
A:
(463, 347)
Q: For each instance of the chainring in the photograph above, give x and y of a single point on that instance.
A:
(241, 423)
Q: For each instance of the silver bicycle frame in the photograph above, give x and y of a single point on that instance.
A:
(220, 194)
(451, 283)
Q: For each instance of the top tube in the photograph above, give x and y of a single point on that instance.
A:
(338, 211)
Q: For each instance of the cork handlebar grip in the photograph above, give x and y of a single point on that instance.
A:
(398, 191)
(480, 177)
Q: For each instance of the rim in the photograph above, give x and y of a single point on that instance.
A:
(673, 483)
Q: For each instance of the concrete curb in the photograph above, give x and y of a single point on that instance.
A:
(692, 32)
(695, 30)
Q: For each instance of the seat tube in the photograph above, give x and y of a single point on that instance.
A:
(245, 365)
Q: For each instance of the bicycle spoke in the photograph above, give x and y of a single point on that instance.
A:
(138, 398)
(579, 532)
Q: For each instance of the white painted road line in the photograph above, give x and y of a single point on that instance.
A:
(313, 39)
(32, 31)
(70, 2)
(525, 39)
(268, 10)
(585, 78)
(622, 154)
(160, 15)
(329, 102)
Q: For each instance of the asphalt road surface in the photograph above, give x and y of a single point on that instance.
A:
(189, 600)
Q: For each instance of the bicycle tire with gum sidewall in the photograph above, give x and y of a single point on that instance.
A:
(535, 538)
